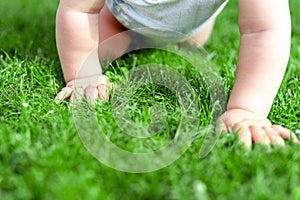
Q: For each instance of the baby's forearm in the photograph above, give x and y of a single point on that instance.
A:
(264, 51)
(261, 65)
(76, 34)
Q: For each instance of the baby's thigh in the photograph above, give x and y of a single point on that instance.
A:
(108, 24)
(200, 38)
(113, 38)
(84, 6)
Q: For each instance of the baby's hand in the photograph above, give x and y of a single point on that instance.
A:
(252, 127)
(91, 88)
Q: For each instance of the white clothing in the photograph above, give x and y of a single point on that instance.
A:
(169, 20)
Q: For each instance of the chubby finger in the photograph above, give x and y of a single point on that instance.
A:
(244, 134)
(285, 133)
(91, 94)
(65, 92)
(274, 137)
(222, 127)
(295, 139)
(77, 95)
(259, 135)
(245, 137)
(103, 92)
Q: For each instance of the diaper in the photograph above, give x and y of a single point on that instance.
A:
(166, 20)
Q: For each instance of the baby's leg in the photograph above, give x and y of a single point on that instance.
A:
(110, 49)
(200, 38)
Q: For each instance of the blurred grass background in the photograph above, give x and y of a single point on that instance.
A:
(42, 157)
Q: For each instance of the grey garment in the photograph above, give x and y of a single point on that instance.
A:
(168, 20)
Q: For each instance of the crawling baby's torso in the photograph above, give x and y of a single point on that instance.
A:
(163, 19)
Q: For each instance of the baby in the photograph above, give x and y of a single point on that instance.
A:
(262, 60)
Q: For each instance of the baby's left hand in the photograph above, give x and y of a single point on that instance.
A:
(252, 127)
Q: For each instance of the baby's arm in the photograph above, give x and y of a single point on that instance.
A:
(77, 37)
(263, 56)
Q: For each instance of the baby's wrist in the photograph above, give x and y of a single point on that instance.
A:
(248, 110)
(71, 81)
(259, 104)
(84, 77)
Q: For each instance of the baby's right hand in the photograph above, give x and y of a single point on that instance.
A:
(91, 88)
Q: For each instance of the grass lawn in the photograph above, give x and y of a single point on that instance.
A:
(42, 156)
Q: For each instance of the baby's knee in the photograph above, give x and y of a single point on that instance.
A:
(85, 6)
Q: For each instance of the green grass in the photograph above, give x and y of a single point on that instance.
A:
(42, 156)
